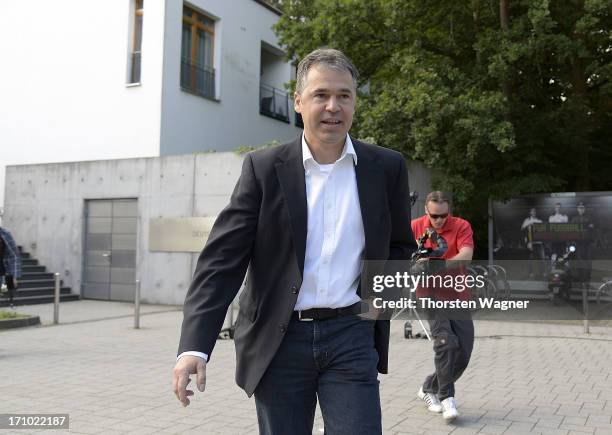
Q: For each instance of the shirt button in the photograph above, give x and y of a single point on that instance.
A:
(294, 290)
(283, 327)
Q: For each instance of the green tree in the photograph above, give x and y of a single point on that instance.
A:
(500, 97)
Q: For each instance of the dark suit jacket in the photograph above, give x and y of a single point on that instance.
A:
(264, 229)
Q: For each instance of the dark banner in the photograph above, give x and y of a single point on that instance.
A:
(537, 227)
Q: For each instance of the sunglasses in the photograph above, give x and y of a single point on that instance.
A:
(438, 216)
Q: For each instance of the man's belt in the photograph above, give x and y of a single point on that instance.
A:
(327, 313)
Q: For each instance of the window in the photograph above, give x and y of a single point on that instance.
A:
(273, 100)
(197, 53)
(135, 54)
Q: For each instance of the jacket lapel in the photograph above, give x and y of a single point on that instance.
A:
(370, 186)
(291, 177)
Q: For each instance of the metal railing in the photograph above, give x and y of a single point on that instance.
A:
(273, 102)
(135, 69)
(197, 78)
(56, 297)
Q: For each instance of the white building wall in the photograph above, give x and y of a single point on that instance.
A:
(191, 123)
(63, 82)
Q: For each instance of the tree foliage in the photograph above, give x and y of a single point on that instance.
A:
(499, 97)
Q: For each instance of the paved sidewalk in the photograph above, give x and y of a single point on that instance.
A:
(110, 378)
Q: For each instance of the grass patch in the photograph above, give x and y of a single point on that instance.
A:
(4, 315)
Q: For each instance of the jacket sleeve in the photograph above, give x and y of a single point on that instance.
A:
(221, 265)
(401, 246)
(402, 243)
(14, 258)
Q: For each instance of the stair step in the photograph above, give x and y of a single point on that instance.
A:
(36, 275)
(33, 300)
(33, 283)
(36, 285)
(29, 262)
(42, 291)
(28, 268)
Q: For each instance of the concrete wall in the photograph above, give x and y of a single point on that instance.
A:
(63, 84)
(191, 123)
(45, 209)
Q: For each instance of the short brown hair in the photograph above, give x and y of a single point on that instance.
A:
(327, 57)
(437, 196)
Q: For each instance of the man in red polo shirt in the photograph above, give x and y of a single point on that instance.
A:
(452, 331)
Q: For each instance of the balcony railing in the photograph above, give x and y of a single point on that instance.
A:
(135, 70)
(273, 102)
(197, 79)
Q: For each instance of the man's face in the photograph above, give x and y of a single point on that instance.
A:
(437, 212)
(581, 210)
(327, 104)
(532, 212)
(557, 209)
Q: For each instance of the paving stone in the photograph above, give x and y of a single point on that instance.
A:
(492, 429)
(577, 428)
(110, 377)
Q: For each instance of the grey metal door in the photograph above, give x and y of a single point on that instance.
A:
(110, 249)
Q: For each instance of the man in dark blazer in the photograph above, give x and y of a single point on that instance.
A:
(302, 219)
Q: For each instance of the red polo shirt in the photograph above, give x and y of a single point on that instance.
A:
(458, 233)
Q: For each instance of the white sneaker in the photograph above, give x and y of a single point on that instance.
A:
(449, 409)
(433, 404)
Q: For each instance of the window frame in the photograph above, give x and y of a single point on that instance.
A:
(135, 54)
(194, 24)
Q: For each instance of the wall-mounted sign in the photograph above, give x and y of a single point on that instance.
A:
(179, 234)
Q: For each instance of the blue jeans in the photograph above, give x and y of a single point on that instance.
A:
(333, 360)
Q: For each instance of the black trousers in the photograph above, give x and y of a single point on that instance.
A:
(10, 286)
(453, 338)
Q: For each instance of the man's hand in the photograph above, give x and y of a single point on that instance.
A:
(14, 282)
(188, 365)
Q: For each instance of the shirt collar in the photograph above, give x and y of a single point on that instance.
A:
(347, 150)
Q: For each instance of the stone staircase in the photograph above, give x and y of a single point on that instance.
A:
(36, 285)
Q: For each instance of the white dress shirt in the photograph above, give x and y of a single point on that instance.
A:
(335, 240)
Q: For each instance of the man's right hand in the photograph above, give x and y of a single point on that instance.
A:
(188, 365)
